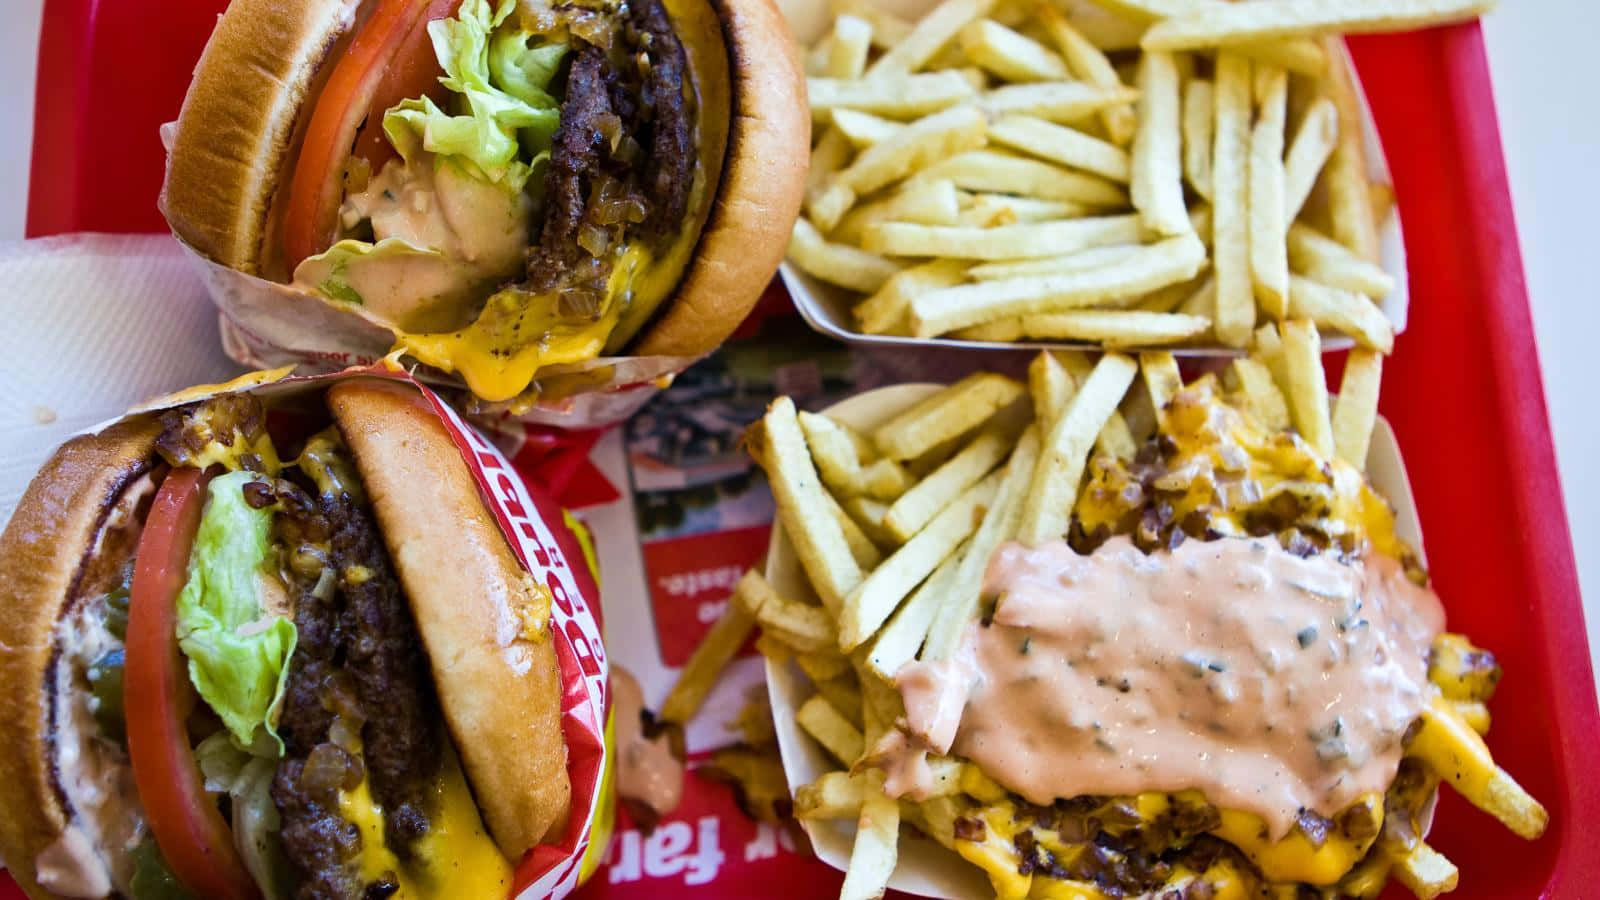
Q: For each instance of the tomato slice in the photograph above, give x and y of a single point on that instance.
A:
(414, 72)
(194, 840)
(370, 65)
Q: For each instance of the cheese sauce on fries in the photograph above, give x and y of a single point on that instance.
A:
(1272, 683)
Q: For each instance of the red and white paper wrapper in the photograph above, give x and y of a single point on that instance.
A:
(265, 324)
(534, 527)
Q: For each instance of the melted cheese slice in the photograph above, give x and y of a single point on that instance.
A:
(1217, 447)
(455, 859)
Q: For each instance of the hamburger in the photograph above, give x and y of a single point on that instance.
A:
(273, 649)
(507, 185)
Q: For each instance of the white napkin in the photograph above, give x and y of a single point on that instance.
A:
(94, 323)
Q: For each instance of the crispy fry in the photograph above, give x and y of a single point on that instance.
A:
(1052, 388)
(1054, 482)
(843, 693)
(1091, 65)
(1000, 331)
(1003, 242)
(905, 97)
(918, 505)
(999, 524)
(1269, 261)
(1010, 55)
(1115, 327)
(1067, 263)
(898, 642)
(1424, 871)
(923, 202)
(1230, 253)
(873, 857)
(777, 446)
(1325, 260)
(705, 665)
(887, 311)
(1057, 101)
(1258, 394)
(847, 52)
(833, 453)
(987, 170)
(888, 29)
(839, 264)
(1063, 145)
(1198, 109)
(866, 553)
(1357, 407)
(1456, 753)
(1157, 176)
(1025, 209)
(868, 513)
(830, 728)
(801, 626)
(822, 665)
(1345, 174)
(1312, 145)
(834, 795)
(1307, 387)
(866, 609)
(1300, 55)
(1116, 438)
(1161, 379)
(946, 414)
(1350, 313)
(935, 29)
(865, 129)
(1229, 24)
(917, 146)
(1125, 280)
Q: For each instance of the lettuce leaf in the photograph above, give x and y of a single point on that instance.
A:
(247, 779)
(499, 82)
(238, 652)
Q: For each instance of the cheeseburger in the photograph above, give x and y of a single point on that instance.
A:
(507, 185)
(263, 652)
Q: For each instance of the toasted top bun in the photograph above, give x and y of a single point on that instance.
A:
(497, 678)
(238, 126)
(44, 557)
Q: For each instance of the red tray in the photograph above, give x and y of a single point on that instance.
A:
(1463, 389)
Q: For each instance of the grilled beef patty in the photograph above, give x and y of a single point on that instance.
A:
(623, 160)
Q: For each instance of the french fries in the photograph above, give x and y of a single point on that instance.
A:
(1269, 262)
(1157, 169)
(1230, 233)
(1001, 132)
(976, 484)
(1004, 242)
(1064, 450)
(1150, 267)
(1062, 145)
(1225, 25)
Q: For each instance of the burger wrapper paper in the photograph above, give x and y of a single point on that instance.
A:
(265, 324)
(925, 867)
(534, 528)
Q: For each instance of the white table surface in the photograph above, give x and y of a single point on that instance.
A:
(1541, 55)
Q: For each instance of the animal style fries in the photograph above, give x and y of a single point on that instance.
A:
(1007, 465)
(992, 139)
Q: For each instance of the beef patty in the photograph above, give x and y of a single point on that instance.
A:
(359, 700)
(622, 164)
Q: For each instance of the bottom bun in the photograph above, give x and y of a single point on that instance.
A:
(482, 618)
(45, 555)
